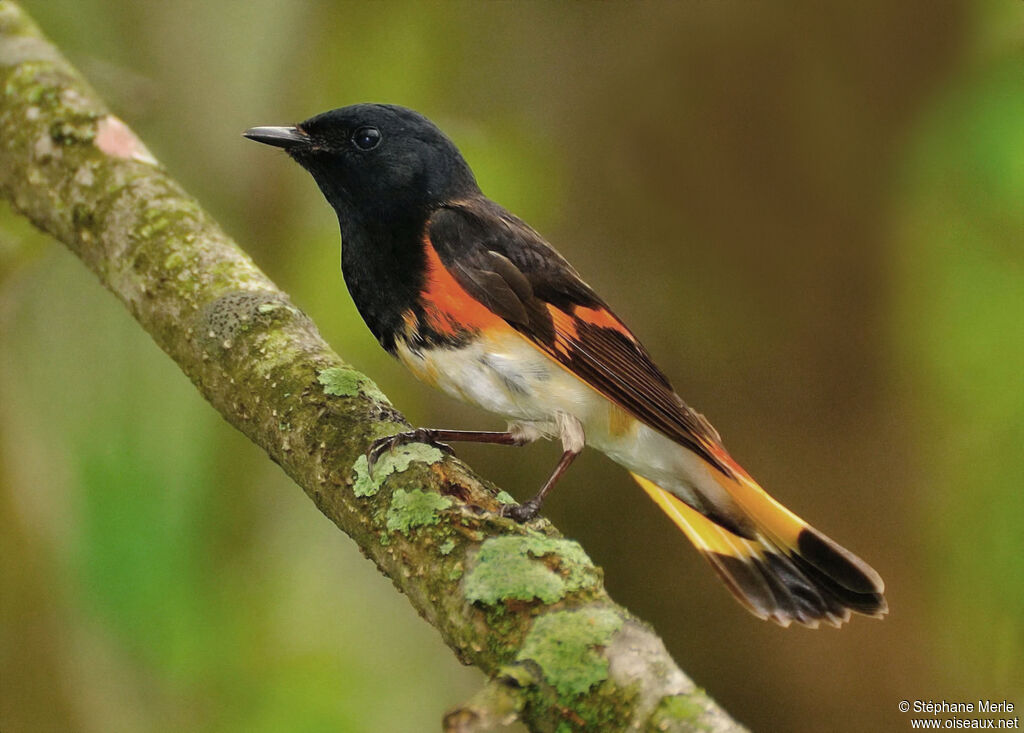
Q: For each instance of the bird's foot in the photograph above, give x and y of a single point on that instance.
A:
(389, 443)
(521, 512)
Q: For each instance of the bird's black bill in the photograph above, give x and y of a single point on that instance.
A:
(279, 137)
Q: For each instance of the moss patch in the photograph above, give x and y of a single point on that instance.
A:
(525, 568)
(677, 709)
(343, 382)
(394, 461)
(363, 485)
(564, 645)
(505, 498)
(416, 508)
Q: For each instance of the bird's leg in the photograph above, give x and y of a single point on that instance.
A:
(570, 430)
(528, 510)
(436, 437)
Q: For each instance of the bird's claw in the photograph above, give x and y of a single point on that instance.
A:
(520, 513)
(391, 442)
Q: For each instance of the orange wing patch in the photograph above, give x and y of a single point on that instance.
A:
(448, 308)
(604, 318)
(565, 329)
(565, 323)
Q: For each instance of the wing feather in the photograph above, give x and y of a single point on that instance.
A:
(509, 268)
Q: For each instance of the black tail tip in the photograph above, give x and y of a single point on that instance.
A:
(785, 588)
(838, 563)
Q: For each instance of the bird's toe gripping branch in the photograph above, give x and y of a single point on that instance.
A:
(391, 442)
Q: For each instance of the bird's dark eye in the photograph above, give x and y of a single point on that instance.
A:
(366, 138)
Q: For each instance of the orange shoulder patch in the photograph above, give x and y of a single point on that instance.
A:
(448, 308)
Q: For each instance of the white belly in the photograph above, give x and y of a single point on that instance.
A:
(505, 375)
(508, 376)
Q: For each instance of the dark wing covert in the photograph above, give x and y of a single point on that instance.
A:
(508, 267)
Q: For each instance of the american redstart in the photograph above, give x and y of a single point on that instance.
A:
(478, 304)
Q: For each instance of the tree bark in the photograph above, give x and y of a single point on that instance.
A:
(521, 602)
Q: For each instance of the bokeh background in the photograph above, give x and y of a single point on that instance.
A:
(811, 214)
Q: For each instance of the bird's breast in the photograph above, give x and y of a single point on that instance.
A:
(498, 370)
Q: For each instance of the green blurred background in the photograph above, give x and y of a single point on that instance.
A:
(811, 214)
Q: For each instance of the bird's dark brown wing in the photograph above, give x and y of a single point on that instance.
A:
(508, 267)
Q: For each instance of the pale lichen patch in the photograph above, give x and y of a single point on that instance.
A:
(528, 568)
(44, 149)
(567, 645)
(416, 508)
(393, 461)
(115, 138)
(84, 176)
(344, 382)
(504, 497)
(638, 660)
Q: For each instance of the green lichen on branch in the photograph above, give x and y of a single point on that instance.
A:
(342, 382)
(363, 485)
(678, 708)
(416, 508)
(79, 173)
(564, 644)
(504, 497)
(393, 461)
(527, 568)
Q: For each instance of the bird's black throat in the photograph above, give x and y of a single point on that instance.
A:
(384, 266)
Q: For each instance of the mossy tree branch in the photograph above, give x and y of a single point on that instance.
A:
(522, 603)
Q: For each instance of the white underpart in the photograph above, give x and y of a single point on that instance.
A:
(509, 376)
(571, 431)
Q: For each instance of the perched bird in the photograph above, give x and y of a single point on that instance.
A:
(475, 302)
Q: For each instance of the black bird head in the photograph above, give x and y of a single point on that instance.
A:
(375, 162)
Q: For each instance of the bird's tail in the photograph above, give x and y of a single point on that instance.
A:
(787, 570)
